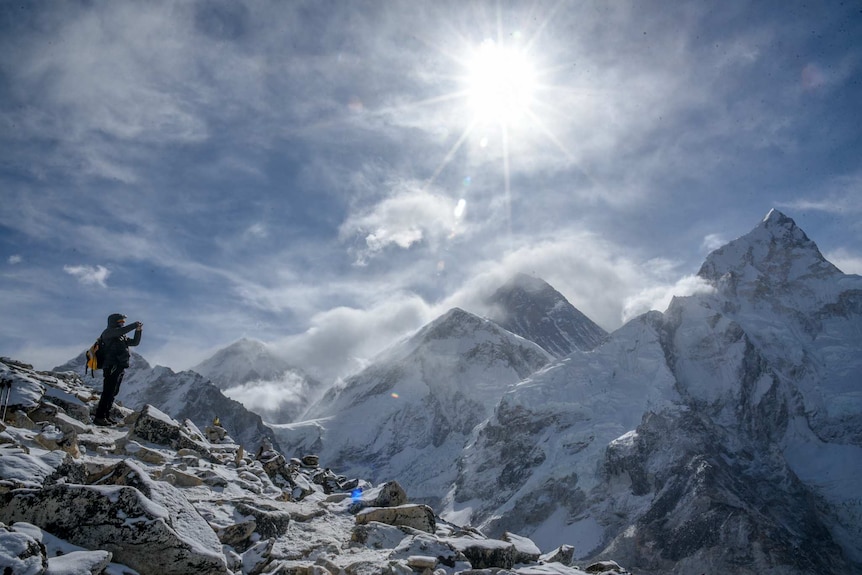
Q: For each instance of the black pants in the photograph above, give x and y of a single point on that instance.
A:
(110, 388)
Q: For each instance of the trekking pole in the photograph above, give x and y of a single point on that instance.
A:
(5, 395)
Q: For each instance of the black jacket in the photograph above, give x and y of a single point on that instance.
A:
(116, 345)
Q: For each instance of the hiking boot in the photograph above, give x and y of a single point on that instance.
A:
(102, 422)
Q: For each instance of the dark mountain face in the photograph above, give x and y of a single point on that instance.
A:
(531, 308)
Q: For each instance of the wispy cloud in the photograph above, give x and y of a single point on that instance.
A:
(89, 275)
(839, 195)
(712, 242)
(845, 260)
(658, 297)
(14, 259)
(408, 216)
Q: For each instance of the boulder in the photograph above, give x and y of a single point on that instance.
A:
(138, 532)
(238, 534)
(562, 554)
(390, 494)
(21, 553)
(154, 426)
(525, 550)
(420, 517)
(485, 553)
(609, 567)
(76, 562)
(270, 519)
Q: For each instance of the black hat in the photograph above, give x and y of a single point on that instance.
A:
(115, 318)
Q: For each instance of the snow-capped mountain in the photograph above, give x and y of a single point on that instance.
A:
(531, 308)
(411, 412)
(242, 361)
(254, 374)
(183, 395)
(721, 435)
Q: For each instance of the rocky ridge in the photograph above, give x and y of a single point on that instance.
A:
(182, 395)
(154, 495)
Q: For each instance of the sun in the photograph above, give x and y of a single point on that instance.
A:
(500, 83)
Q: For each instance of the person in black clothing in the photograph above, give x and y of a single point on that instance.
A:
(116, 347)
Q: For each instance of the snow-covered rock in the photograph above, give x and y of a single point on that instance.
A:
(183, 395)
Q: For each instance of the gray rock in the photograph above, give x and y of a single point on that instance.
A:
(419, 517)
(21, 553)
(486, 553)
(137, 531)
(154, 426)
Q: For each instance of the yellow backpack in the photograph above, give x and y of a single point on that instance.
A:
(95, 358)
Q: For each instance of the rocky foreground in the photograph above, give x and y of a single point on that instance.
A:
(153, 495)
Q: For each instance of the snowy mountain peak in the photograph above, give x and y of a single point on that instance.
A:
(529, 284)
(776, 251)
(243, 361)
(530, 307)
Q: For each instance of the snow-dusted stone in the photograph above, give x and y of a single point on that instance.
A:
(421, 562)
(525, 550)
(125, 446)
(20, 553)
(180, 478)
(256, 558)
(26, 392)
(139, 532)
(609, 567)
(79, 563)
(154, 426)
(237, 535)
(389, 494)
(271, 519)
(426, 545)
(562, 554)
(20, 468)
(53, 439)
(215, 433)
(69, 424)
(377, 535)
(485, 553)
(419, 517)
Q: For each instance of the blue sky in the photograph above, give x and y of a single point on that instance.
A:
(328, 176)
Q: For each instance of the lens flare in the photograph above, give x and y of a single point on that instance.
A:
(459, 208)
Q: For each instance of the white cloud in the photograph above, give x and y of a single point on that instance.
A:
(845, 260)
(841, 196)
(657, 297)
(268, 396)
(712, 242)
(341, 340)
(409, 216)
(594, 275)
(15, 259)
(89, 275)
